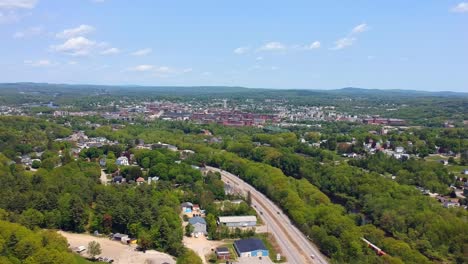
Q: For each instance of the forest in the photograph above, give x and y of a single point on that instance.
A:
(333, 200)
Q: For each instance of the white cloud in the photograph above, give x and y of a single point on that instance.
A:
(272, 46)
(313, 45)
(460, 8)
(78, 46)
(142, 68)
(241, 50)
(10, 7)
(110, 51)
(360, 28)
(20, 4)
(343, 43)
(98, 1)
(30, 32)
(259, 58)
(72, 63)
(39, 63)
(142, 52)
(274, 68)
(187, 70)
(81, 30)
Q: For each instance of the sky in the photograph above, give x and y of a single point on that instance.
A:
(418, 45)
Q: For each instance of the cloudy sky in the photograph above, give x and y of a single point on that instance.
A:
(421, 45)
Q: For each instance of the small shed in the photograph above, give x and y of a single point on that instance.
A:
(223, 253)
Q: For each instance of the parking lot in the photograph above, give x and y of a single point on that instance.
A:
(120, 253)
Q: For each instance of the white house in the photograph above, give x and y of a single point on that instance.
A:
(122, 161)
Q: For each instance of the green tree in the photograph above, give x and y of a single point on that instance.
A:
(189, 230)
(94, 249)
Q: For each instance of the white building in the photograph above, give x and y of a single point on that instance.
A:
(122, 161)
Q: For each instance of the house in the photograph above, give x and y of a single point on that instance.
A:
(187, 207)
(399, 149)
(465, 171)
(118, 179)
(122, 161)
(199, 225)
(140, 180)
(444, 162)
(223, 253)
(238, 221)
(251, 247)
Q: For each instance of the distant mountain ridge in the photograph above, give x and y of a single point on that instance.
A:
(346, 91)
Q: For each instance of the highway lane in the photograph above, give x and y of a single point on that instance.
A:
(294, 245)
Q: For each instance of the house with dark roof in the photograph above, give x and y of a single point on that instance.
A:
(199, 226)
(250, 247)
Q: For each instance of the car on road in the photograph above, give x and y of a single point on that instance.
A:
(312, 256)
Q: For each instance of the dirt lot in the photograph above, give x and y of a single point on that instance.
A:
(122, 254)
(201, 245)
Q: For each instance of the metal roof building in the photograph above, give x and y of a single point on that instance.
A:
(238, 221)
(251, 247)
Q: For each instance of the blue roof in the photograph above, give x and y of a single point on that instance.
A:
(197, 219)
(249, 244)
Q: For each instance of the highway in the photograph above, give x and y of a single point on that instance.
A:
(294, 245)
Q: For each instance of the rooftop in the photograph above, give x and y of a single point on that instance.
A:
(234, 219)
(250, 244)
(197, 219)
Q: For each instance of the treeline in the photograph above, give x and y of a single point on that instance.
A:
(399, 210)
(327, 224)
(70, 198)
(417, 172)
(23, 135)
(21, 245)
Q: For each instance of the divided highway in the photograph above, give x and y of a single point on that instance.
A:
(294, 245)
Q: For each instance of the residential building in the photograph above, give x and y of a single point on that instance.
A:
(199, 225)
(122, 161)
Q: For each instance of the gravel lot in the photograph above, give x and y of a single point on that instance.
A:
(201, 245)
(122, 254)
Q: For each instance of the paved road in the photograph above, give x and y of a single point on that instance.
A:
(294, 245)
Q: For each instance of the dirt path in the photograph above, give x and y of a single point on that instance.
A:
(122, 254)
(103, 177)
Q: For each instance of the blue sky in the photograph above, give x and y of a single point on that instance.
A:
(420, 45)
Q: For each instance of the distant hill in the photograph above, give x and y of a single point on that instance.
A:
(10, 88)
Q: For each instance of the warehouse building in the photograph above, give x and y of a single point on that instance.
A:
(251, 247)
(238, 221)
